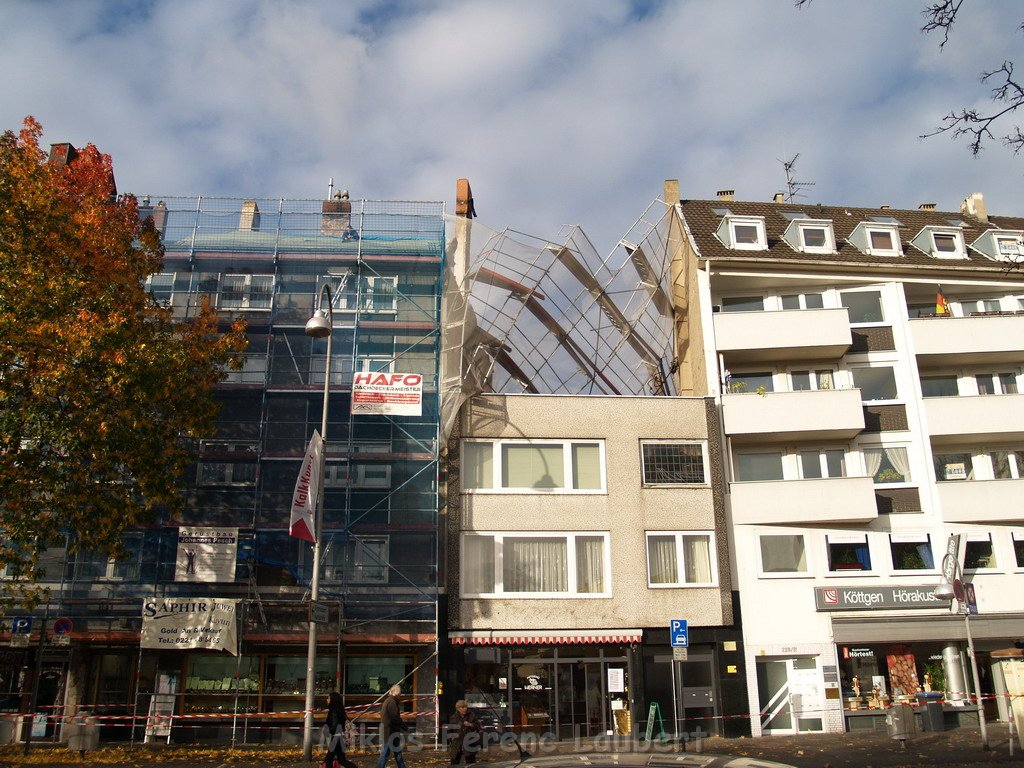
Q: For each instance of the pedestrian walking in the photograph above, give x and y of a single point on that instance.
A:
(392, 729)
(464, 732)
(334, 731)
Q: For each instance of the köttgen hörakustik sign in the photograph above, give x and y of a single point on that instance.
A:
(190, 622)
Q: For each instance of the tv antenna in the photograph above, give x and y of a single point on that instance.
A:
(793, 187)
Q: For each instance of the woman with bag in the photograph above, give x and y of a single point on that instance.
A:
(335, 733)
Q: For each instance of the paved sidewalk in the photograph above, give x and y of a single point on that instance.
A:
(959, 747)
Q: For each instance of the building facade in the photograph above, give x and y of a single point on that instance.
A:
(868, 368)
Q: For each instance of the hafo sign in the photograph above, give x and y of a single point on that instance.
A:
(387, 394)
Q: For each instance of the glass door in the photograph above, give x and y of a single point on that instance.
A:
(580, 699)
(790, 695)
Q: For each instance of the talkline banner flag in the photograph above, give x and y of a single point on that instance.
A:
(190, 622)
(387, 394)
(206, 554)
(307, 488)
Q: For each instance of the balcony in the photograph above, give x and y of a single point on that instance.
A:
(995, 338)
(833, 500)
(790, 335)
(982, 501)
(979, 418)
(830, 414)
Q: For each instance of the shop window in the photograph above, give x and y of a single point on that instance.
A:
(803, 381)
(996, 383)
(533, 466)
(754, 382)
(979, 552)
(887, 465)
(876, 383)
(674, 462)
(953, 466)
(944, 385)
(684, 559)
(1018, 548)
(286, 676)
(783, 553)
(374, 675)
(751, 467)
(213, 676)
(911, 552)
(743, 304)
(863, 306)
(536, 564)
(848, 552)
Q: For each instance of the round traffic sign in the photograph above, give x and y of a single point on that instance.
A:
(62, 626)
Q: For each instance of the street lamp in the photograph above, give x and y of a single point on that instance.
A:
(319, 326)
(951, 586)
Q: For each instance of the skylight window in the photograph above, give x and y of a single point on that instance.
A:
(886, 220)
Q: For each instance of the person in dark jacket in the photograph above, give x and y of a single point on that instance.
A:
(335, 733)
(391, 728)
(464, 732)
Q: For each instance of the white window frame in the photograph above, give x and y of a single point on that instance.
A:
(977, 306)
(496, 461)
(802, 300)
(813, 377)
(997, 382)
(253, 370)
(894, 235)
(727, 232)
(892, 366)
(247, 284)
(911, 537)
(161, 277)
(1009, 246)
(992, 546)
(822, 461)
(751, 450)
(232, 468)
(569, 537)
(849, 538)
(1018, 567)
(808, 572)
(704, 461)
(881, 305)
(207, 447)
(905, 483)
(959, 250)
(681, 559)
(825, 226)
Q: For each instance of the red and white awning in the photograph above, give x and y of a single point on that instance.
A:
(545, 636)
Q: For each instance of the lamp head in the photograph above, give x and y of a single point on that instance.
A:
(944, 591)
(319, 325)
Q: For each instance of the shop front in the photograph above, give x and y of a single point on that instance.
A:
(559, 684)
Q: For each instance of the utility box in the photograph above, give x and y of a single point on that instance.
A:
(83, 733)
(900, 722)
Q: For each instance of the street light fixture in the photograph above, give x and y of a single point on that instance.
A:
(319, 326)
(949, 587)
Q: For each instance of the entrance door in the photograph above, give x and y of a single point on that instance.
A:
(697, 695)
(790, 695)
(580, 700)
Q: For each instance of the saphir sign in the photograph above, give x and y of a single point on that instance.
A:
(190, 622)
(875, 598)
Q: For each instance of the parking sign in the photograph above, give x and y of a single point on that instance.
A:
(21, 625)
(678, 636)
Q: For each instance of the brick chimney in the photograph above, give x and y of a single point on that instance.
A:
(335, 214)
(927, 206)
(726, 195)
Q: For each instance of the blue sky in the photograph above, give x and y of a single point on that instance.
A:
(559, 112)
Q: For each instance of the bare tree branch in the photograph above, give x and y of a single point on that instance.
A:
(941, 16)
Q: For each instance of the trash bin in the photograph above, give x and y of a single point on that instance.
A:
(83, 733)
(932, 716)
(900, 722)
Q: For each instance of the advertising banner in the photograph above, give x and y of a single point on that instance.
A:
(190, 622)
(307, 488)
(387, 394)
(206, 554)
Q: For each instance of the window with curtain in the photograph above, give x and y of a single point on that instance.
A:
(680, 559)
(783, 553)
(673, 463)
(533, 466)
(848, 553)
(888, 464)
(559, 565)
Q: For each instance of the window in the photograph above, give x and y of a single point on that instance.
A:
(337, 475)
(970, 307)
(802, 301)
(742, 232)
(887, 465)
(252, 292)
(953, 466)
(978, 551)
(253, 371)
(802, 381)
(1009, 247)
(750, 467)
(848, 552)
(533, 466)
(1018, 548)
(875, 383)
(161, 287)
(94, 566)
(683, 559)
(758, 381)
(368, 556)
(863, 306)
(816, 237)
(743, 304)
(783, 553)
(881, 241)
(827, 462)
(214, 473)
(536, 564)
(945, 244)
(674, 463)
(374, 293)
(878, 237)
(1007, 465)
(996, 383)
(939, 386)
(941, 242)
(911, 552)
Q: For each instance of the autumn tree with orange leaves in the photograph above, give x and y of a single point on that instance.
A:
(100, 391)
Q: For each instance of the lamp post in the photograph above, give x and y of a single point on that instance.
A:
(951, 586)
(319, 326)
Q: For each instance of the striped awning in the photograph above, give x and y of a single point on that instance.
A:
(545, 636)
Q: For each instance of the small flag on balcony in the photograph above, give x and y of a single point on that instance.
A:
(307, 489)
(941, 305)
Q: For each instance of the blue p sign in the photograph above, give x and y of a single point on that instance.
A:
(677, 631)
(21, 625)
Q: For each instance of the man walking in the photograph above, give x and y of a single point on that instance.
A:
(392, 728)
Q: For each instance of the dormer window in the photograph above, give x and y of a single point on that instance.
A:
(1001, 245)
(941, 242)
(743, 233)
(810, 235)
(877, 238)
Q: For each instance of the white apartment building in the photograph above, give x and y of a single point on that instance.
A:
(867, 364)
